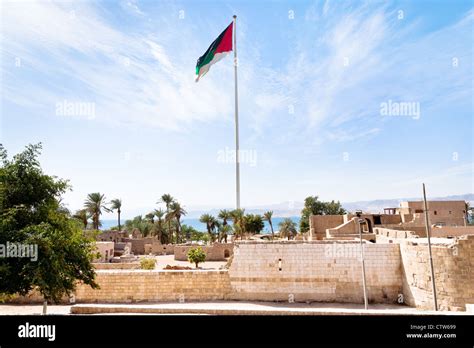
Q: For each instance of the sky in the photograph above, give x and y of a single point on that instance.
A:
(347, 100)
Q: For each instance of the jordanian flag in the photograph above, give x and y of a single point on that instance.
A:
(218, 50)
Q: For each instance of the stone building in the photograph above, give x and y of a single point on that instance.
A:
(409, 216)
(106, 251)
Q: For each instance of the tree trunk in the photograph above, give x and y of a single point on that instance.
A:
(271, 226)
(45, 307)
(178, 230)
(120, 229)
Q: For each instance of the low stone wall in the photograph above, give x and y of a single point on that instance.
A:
(449, 231)
(384, 234)
(120, 286)
(454, 276)
(138, 244)
(315, 271)
(214, 252)
(440, 232)
(161, 249)
(123, 265)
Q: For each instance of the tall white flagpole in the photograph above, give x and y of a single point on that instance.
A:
(237, 161)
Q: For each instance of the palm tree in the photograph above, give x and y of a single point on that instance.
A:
(167, 199)
(94, 204)
(116, 204)
(82, 216)
(176, 212)
(224, 231)
(238, 219)
(209, 220)
(224, 215)
(287, 228)
(468, 212)
(150, 217)
(268, 217)
(159, 223)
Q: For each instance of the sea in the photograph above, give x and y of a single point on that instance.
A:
(107, 224)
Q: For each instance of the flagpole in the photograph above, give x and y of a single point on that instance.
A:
(427, 225)
(237, 161)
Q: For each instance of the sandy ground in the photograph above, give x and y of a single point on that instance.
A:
(227, 307)
(163, 260)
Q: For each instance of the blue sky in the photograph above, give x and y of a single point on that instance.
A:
(312, 78)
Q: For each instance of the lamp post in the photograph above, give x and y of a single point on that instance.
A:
(359, 220)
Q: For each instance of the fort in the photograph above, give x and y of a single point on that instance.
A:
(324, 266)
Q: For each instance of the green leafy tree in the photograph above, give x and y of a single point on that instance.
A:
(196, 256)
(268, 217)
(94, 205)
(313, 206)
(31, 214)
(287, 228)
(116, 204)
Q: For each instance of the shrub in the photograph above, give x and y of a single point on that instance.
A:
(196, 255)
(147, 264)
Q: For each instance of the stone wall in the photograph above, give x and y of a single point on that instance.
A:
(454, 273)
(106, 251)
(440, 232)
(122, 265)
(119, 286)
(390, 219)
(318, 224)
(138, 244)
(214, 252)
(305, 271)
(315, 271)
(161, 249)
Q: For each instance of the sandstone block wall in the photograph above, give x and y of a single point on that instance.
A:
(318, 224)
(454, 274)
(154, 286)
(314, 271)
(390, 219)
(214, 252)
(122, 265)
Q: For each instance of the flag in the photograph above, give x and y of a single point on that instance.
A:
(218, 50)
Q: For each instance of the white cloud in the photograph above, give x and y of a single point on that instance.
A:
(69, 52)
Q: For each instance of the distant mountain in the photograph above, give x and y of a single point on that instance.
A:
(377, 206)
(286, 209)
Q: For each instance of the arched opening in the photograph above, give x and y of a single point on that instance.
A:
(369, 225)
(226, 253)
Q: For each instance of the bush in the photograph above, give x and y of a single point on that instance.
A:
(196, 255)
(147, 264)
